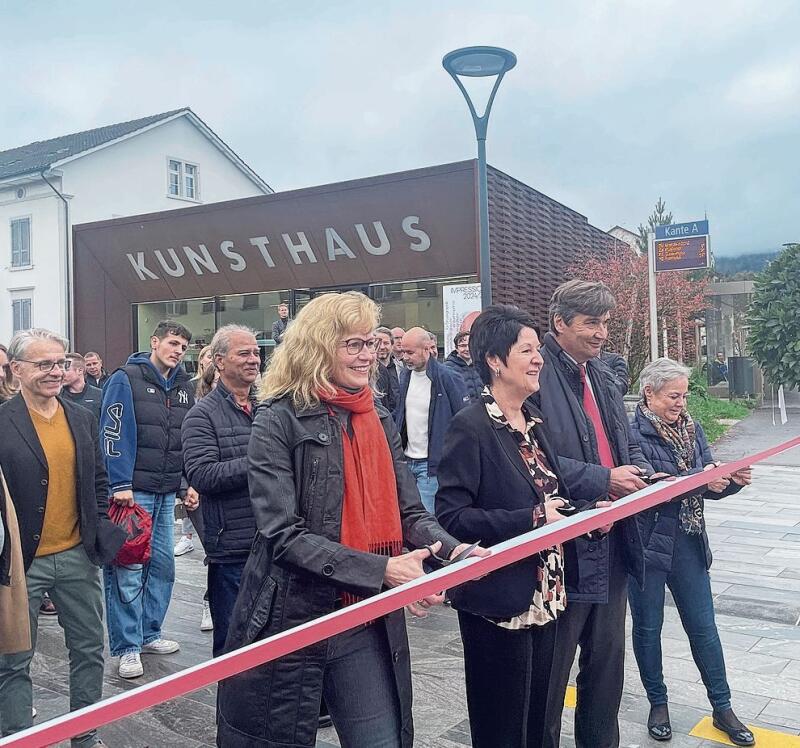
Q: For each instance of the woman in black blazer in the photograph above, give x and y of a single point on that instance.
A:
(499, 478)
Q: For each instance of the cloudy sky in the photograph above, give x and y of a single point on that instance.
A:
(613, 102)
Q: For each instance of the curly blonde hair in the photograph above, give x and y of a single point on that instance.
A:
(303, 363)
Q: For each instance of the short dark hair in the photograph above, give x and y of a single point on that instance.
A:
(460, 336)
(170, 327)
(493, 333)
(76, 359)
(580, 297)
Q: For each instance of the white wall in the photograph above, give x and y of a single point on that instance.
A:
(127, 178)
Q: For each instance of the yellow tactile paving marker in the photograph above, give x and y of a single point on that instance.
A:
(764, 738)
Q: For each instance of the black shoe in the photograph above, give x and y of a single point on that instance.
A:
(658, 726)
(324, 721)
(729, 723)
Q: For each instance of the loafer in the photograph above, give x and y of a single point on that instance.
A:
(729, 723)
(658, 726)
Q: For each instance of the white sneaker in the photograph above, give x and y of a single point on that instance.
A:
(130, 665)
(161, 647)
(206, 624)
(184, 545)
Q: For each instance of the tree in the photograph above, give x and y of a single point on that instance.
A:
(659, 217)
(774, 318)
(680, 300)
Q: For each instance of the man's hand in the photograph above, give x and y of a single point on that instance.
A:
(123, 497)
(192, 499)
(624, 480)
(408, 566)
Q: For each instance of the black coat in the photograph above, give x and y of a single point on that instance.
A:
(572, 435)
(90, 398)
(660, 525)
(468, 373)
(27, 474)
(297, 570)
(388, 385)
(215, 434)
(486, 493)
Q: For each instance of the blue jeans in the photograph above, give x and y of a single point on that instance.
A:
(427, 485)
(223, 587)
(690, 585)
(360, 690)
(137, 597)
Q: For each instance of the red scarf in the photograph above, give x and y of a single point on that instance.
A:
(370, 511)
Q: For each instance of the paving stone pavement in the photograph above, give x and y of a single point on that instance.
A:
(756, 581)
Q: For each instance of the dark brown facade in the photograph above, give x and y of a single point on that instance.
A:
(419, 224)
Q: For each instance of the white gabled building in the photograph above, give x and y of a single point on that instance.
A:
(166, 161)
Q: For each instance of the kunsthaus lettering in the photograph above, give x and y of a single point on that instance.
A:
(297, 247)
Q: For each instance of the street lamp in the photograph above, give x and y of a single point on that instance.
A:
(480, 62)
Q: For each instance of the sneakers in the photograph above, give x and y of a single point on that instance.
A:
(206, 624)
(130, 665)
(161, 647)
(184, 545)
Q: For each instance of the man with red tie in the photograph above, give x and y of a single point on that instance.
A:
(589, 429)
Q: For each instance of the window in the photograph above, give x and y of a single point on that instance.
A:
(176, 308)
(21, 312)
(182, 180)
(20, 243)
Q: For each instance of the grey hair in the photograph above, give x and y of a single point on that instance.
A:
(580, 297)
(221, 342)
(384, 331)
(432, 336)
(658, 373)
(19, 344)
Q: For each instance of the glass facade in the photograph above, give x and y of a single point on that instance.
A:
(407, 304)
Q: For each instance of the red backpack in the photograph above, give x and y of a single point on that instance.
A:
(138, 526)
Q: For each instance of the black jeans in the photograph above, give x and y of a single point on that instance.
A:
(599, 629)
(360, 690)
(223, 587)
(507, 676)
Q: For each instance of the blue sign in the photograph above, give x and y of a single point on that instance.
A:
(682, 230)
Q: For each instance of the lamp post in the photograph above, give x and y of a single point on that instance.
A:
(480, 62)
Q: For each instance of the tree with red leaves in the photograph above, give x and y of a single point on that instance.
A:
(680, 301)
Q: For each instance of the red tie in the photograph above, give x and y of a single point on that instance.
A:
(591, 409)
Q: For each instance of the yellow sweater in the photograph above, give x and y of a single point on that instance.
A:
(61, 529)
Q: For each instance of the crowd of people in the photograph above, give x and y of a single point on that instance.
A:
(355, 463)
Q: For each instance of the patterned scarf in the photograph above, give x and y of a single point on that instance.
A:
(370, 511)
(681, 438)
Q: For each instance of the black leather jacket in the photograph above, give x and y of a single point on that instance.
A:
(297, 569)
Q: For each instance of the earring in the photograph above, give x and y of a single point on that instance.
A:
(497, 372)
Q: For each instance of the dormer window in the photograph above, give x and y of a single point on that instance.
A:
(182, 180)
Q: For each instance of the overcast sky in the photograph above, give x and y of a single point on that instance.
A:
(612, 104)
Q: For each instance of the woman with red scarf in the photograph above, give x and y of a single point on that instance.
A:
(335, 505)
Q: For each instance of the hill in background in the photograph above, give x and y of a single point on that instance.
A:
(744, 266)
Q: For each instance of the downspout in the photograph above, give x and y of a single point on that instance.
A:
(68, 264)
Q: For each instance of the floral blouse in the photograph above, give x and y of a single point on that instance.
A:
(549, 597)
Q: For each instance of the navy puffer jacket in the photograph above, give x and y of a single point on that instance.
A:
(216, 434)
(659, 526)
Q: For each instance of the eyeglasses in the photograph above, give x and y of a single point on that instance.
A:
(47, 366)
(354, 346)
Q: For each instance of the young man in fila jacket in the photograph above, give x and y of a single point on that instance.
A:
(144, 404)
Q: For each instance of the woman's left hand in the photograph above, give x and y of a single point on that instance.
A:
(743, 477)
(420, 608)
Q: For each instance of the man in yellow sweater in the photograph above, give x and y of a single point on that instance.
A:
(52, 462)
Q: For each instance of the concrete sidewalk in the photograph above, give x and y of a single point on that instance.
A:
(756, 580)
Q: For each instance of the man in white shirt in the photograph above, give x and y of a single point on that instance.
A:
(430, 394)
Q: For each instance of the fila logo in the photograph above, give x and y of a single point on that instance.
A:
(111, 433)
(183, 398)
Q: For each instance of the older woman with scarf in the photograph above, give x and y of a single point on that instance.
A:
(677, 553)
(335, 505)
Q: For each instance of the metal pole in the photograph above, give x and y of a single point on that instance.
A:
(483, 223)
(651, 285)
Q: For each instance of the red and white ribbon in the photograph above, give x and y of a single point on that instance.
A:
(204, 674)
